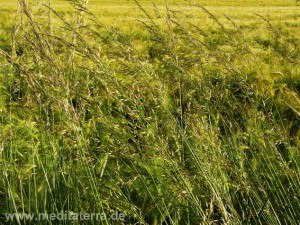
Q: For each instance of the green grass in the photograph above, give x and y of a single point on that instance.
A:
(177, 114)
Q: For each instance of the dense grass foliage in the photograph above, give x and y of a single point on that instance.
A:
(174, 123)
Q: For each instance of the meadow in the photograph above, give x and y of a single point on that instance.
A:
(184, 112)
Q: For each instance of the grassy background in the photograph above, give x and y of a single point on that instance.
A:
(171, 115)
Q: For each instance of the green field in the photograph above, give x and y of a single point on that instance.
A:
(184, 112)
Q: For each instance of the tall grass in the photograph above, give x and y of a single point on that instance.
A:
(195, 127)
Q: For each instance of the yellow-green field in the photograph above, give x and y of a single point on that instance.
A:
(124, 13)
(175, 113)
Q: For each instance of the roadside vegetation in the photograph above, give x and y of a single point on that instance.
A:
(174, 114)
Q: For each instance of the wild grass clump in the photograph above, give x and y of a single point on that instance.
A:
(195, 128)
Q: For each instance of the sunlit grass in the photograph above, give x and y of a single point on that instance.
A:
(174, 114)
